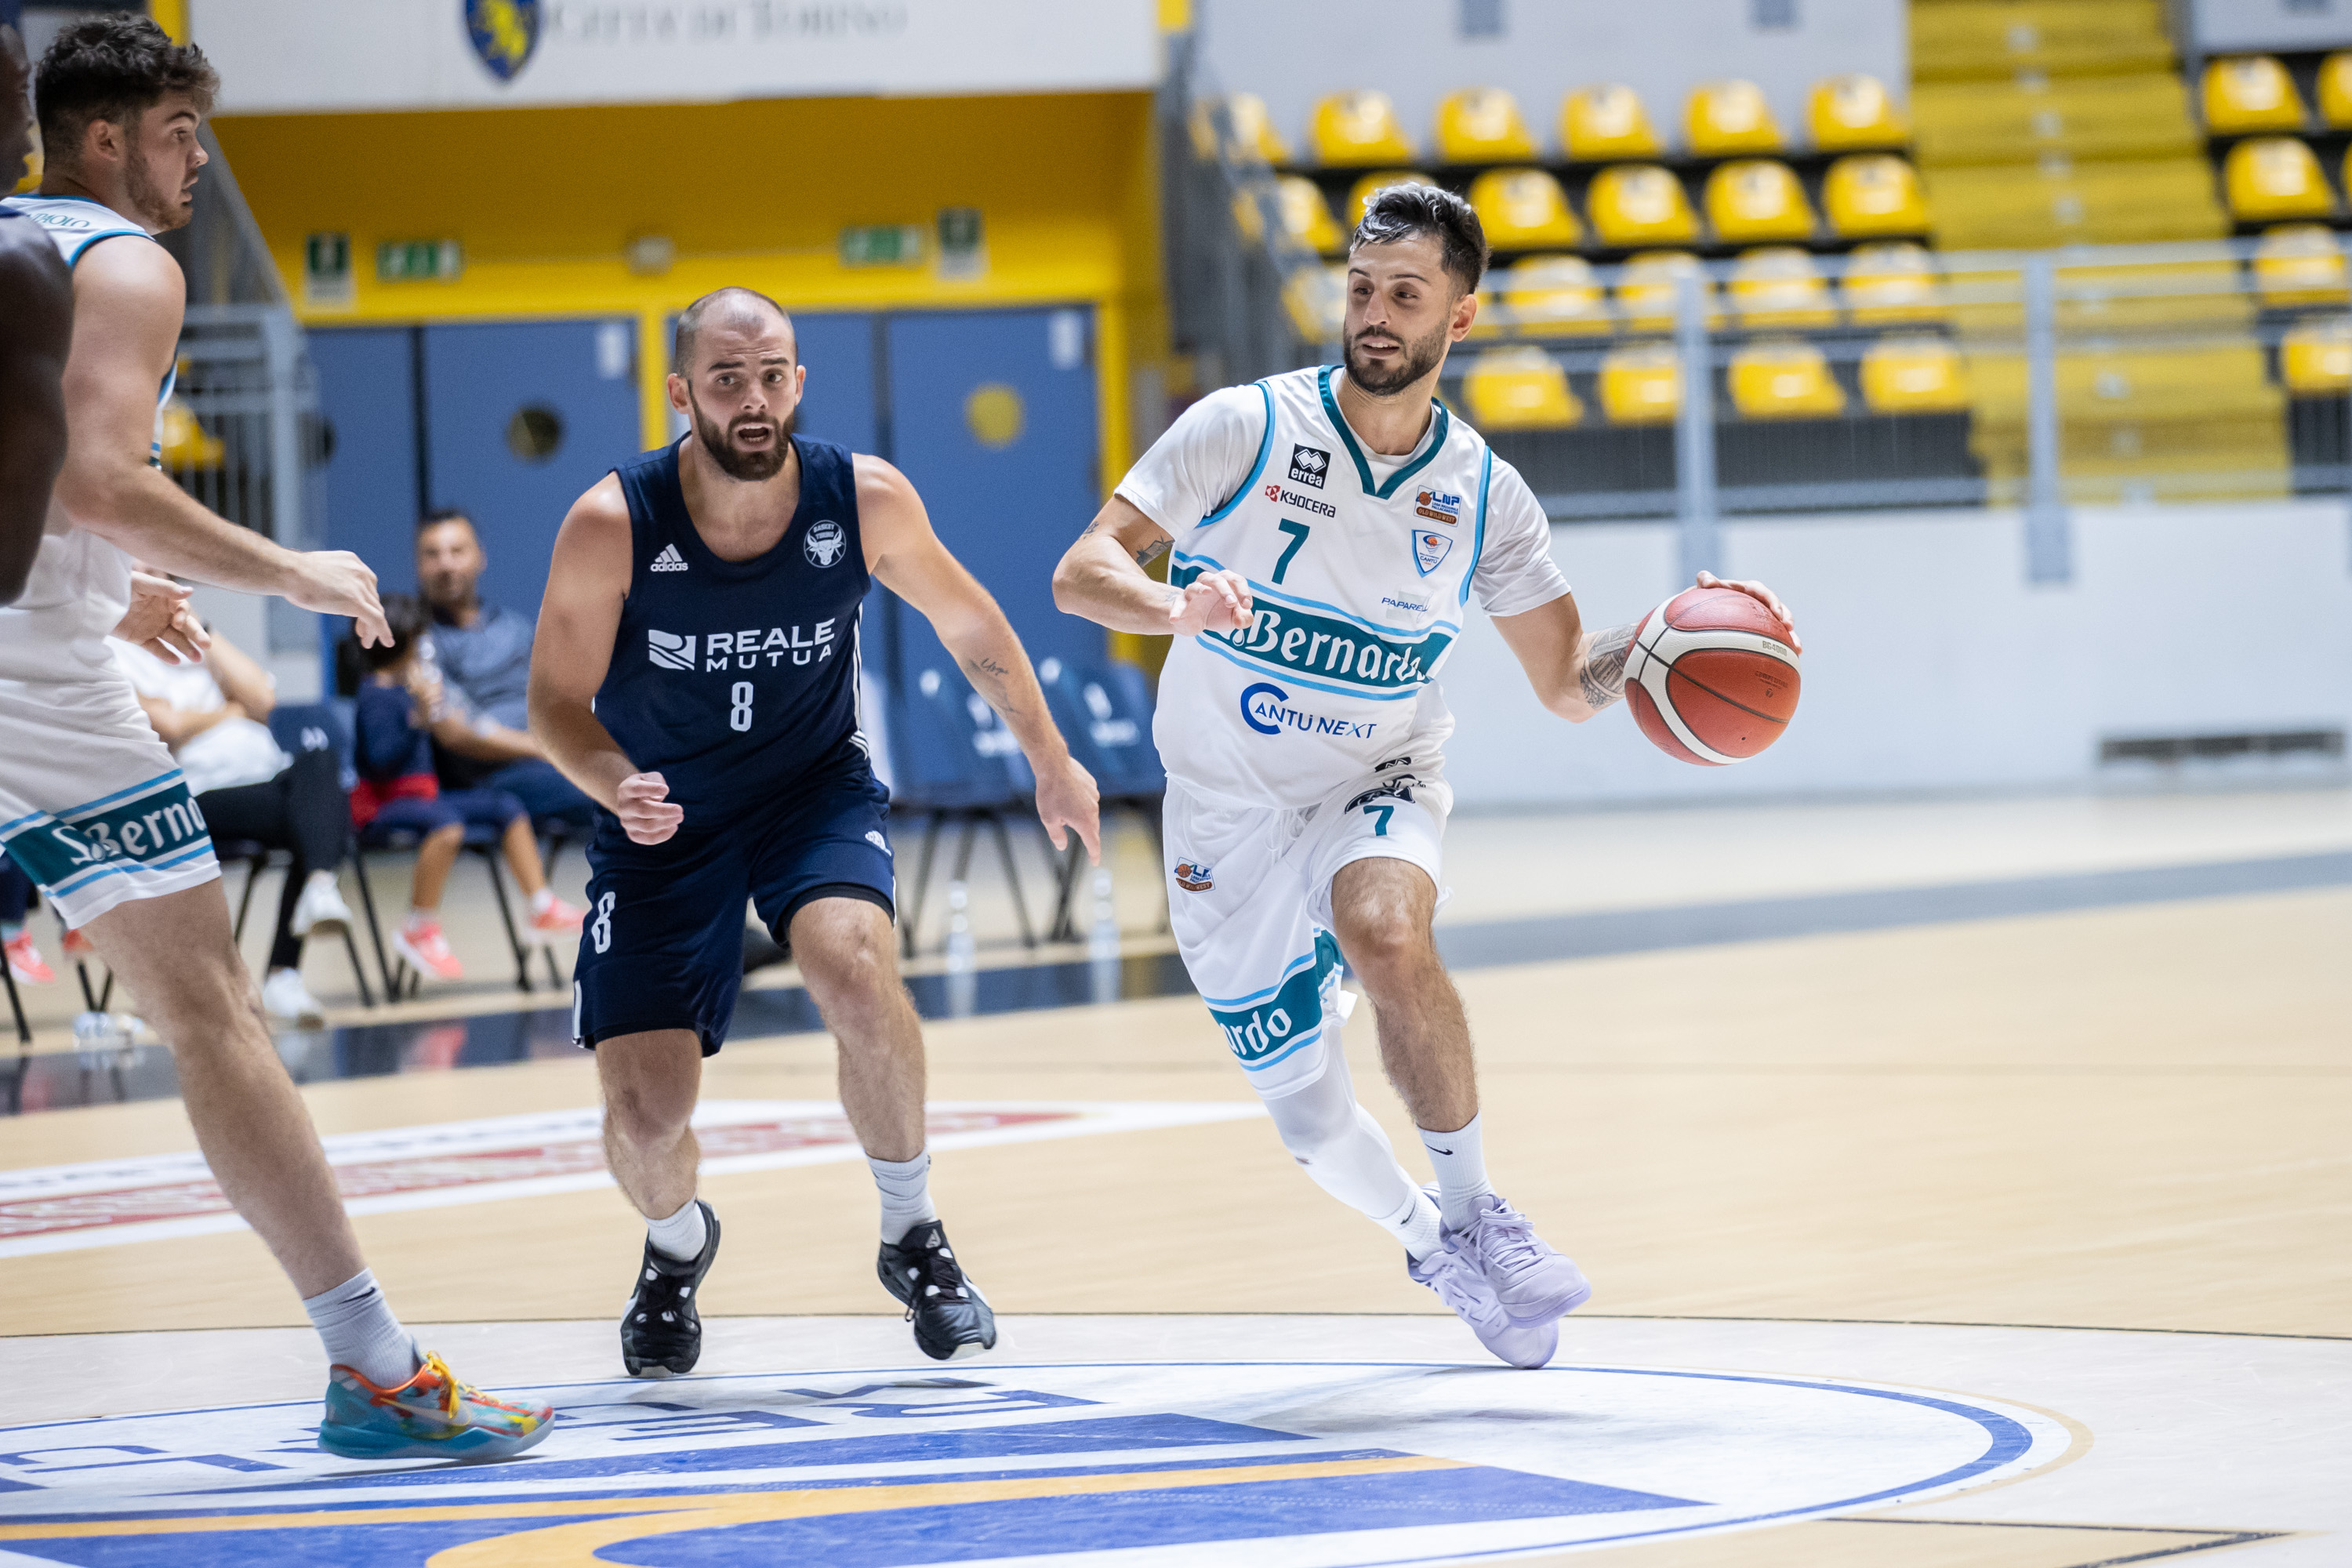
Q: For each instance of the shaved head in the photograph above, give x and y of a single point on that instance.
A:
(742, 309)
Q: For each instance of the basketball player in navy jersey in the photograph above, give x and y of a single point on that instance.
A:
(696, 673)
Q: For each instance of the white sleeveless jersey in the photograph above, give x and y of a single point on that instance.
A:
(81, 584)
(1361, 578)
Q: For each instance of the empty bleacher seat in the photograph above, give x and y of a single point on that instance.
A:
(1778, 285)
(1519, 389)
(2251, 93)
(2274, 177)
(1482, 126)
(1317, 299)
(1642, 384)
(1306, 216)
(1598, 124)
(1871, 194)
(1522, 207)
(1357, 128)
(2317, 357)
(1891, 281)
(1639, 204)
(2336, 89)
(2300, 264)
(1253, 137)
(1913, 375)
(1847, 114)
(1784, 381)
(1555, 294)
(1650, 284)
(1362, 192)
(1728, 116)
(1757, 198)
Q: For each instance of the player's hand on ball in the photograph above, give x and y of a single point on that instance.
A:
(159, 621)
(1213, 602)
(1762, 596)
(644, 810)
(1068, 801)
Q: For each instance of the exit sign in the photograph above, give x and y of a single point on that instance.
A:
(419, 260)
(882, 244)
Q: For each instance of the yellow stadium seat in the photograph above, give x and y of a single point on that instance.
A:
(1652, 282)
(1778, 286)
(2336, 89)
(1356, 128)
(1482, 126)
(1247, 217)
(186, 444)
(1361, 192)
(2300, 264)
(1519, 389)
(2274, 177)
(1891, 281)
(1252, 136)
(1306, 216)
(1598, 124)
(1640, 204)
(1757, 198)
(2251, 93)
(1848, 112)
(1913, 375)
(1523, 208)
(1317, 299)
(1784, 381)
(1873, 193)
(1725, 117)
(1641, 385)
(2317, 357)
(1556, 294)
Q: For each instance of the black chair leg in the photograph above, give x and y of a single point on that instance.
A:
(89, 998)
(359, 968)
(1013, 878)
(506, 914)
(15, 1006)
(245, 900)
(375, 927)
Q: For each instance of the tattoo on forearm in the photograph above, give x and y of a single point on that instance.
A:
(1603, 676)
(1154, 551)
(984, 665)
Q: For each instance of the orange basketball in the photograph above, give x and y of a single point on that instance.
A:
(1712, 677)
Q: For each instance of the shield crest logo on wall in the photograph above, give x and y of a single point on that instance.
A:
(503, 33)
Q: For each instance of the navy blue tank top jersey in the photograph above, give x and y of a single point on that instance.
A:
(734, 679)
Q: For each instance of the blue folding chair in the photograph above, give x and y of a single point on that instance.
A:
(1104, 713)
(953, 763)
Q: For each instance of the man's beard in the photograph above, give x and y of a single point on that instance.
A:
(1417, 361)
(749, 466)
(148, 203)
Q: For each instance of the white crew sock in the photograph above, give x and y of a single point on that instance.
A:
(1415, 1226)
(419, 918)
(357, 1323)
(1461, 1164)
(906, 1189)
(683, 1236)
(542, 901)
(316, 878)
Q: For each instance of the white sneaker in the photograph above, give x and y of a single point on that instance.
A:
(1450, 1272)
(321, 909)
(283, 995)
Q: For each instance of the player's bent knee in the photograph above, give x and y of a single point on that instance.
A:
(1386, 942)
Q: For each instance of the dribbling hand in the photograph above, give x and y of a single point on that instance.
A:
(1215, 601)
(645, 809)
(1762, 596)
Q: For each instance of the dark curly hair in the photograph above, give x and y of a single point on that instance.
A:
(1401, 211)
(114, 68)
(406, 616)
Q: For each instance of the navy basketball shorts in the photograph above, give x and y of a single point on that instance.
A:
(662, 947)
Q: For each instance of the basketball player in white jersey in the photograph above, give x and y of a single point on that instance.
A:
(1329, 529)
(91, 804)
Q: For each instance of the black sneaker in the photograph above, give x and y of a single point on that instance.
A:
(951, 1318)
(660, 1330)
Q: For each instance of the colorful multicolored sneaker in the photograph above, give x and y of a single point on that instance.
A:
(559, 918)
(430, 1416)
(427, 950)
(26, 962)
(1458, 1284)
(1532, 1282)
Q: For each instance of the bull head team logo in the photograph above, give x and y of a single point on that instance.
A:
(503, 33)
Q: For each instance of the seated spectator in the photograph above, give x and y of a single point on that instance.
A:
(24, 960)
(400, 712)
(211, 716)
(483, 652)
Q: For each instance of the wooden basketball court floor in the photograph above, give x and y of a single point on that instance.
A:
(1962, 1183)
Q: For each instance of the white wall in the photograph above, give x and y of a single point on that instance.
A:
(2220, 26)
(1931, 664)
(1293, 52)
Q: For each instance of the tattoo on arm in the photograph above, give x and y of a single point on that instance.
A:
(1603, 676)
(1154, 551)
(984, 665)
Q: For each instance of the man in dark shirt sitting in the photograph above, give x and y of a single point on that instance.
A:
(483, 652)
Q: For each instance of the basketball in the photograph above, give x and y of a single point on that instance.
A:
(1711, 676)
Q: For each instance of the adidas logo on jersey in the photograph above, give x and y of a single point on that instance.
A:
(669, 560)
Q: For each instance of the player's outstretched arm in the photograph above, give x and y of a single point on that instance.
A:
(128, 300)
(36, 330)
(1577, 673)
(587, 579)
(1102, 579)
(907, 557)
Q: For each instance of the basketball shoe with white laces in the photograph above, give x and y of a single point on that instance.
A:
(430, 1416)
(1532, 1282)
(661, 1328)
(951, 1318)
(1458, 1284)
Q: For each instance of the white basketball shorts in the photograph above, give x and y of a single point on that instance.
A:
(1249, 895)
(91, 805)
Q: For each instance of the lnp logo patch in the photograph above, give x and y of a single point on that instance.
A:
(826, 544)
(1309, 464)
(504, 34)
(1438, 507)
(1429, 549)
(1192, 879)
(669, 650)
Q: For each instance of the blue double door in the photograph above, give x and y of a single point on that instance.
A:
(991, 413)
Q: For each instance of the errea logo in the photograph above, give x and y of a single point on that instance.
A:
(1309, 464)
(669, 650)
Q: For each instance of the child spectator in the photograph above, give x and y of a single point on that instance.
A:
(399, 704)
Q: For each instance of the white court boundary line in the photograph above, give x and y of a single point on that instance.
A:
(1071, 1119)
